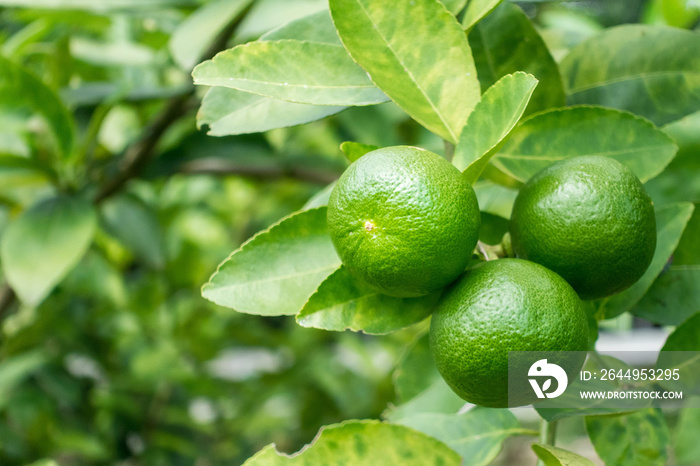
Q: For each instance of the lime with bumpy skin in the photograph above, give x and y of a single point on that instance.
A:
(404, 220)
(590, 220)
(497, 307)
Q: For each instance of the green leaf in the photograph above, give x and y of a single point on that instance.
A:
(688, 250)
(476, 10)
(363, 443)
(21, 89)
(321, 198)
(229, 111)
(652, 71)
(670, 223)
(675, 296)
(570, 403)
(476, 435)
(316, 27)
(355, 150)
(554, 456)
(685, 438)
(505, 42)
(682, 351)
(293, 70)
(546, 137)
(16, 369)
(44, 243)
(192, 37)
(276, 271)
(493, 118)
(495, 199)
(416, 371)
(343, 302)
(135, 225)
(20, 171)
(630, 439)
(417, 53)
(455, 6)
(437, 398)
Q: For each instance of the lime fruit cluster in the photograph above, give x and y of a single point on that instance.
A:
(588, 219)
(404, 220)
(497, 307)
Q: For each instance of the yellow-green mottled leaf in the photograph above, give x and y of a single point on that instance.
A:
(505, 42)
(476, 435)
(630, 439)
(555, 456)
(363, 443)
(417, 53)
(293, 70)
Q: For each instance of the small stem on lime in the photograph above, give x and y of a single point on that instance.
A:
(482, 249)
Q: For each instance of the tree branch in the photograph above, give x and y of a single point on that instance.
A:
(137, 156)
(142, 151)
(219, 167)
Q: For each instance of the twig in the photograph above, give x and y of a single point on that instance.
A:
(140, 153)
(219, 167)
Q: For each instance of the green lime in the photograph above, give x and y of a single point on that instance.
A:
(404, 220)
(501, 306)
(590, 220)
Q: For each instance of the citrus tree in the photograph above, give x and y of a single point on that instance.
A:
(613, 110)
(393, 158)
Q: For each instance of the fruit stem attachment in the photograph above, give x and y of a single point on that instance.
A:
(488, 252)
(548, 435)
(507, 246)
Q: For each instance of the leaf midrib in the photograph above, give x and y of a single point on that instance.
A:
(629, 77)
(632, 150)
(284, 85)
(211, 285)
(408, 72)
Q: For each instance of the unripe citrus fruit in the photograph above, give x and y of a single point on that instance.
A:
(590, 220)
(404, 220)
(496, 307)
